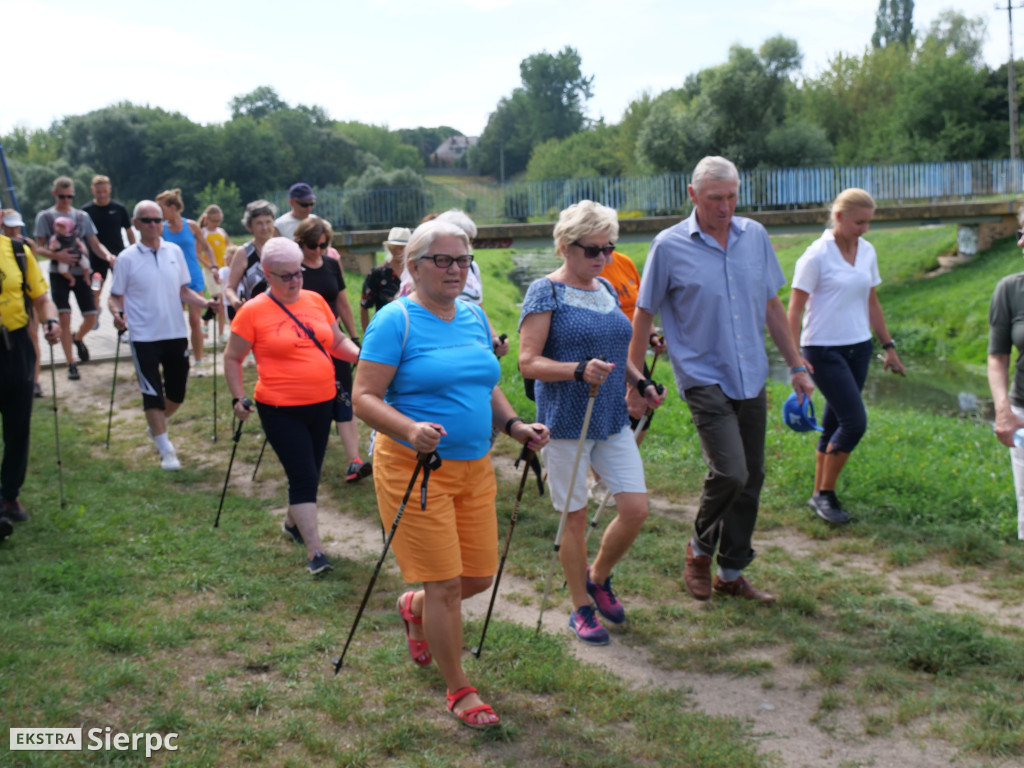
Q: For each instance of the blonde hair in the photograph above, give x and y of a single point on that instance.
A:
(99, 178)
(171, 197)
(847, 200)
(585, 218)
(207, 211)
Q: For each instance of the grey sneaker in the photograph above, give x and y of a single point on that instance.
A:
(827, 507)
(319, 564)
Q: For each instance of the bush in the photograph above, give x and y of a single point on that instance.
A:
(379, 198)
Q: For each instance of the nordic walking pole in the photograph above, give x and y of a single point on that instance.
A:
(568, 502)
(426, 462)
(56, 429)
(208, 316)
(247, 404)
(113, 384)
(529, 459)
(259, 458)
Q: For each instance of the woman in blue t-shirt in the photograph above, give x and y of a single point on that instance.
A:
(427, 381)
(572, 335)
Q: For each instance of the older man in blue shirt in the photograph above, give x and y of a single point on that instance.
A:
(714, 278)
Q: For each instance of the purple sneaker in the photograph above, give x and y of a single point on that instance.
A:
(586, 626)
(607, 603)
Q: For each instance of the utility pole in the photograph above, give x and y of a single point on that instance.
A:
(1011, 85)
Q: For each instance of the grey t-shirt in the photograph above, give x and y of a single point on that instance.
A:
(1006, 328)
(44, 228)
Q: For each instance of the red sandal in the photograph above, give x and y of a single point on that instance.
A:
(418, 649)
(465, 716)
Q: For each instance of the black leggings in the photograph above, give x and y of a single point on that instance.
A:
(298, 434)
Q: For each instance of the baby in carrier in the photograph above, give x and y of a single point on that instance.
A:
(65, 239)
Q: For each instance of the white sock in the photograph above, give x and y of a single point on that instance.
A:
(163, 443)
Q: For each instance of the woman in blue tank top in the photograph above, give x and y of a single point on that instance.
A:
(185, 233)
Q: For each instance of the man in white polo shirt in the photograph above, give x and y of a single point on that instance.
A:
(150, 284)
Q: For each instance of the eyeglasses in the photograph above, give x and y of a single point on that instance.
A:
(288, 277)
(593, 251)
(66, 197)
(317, 246)
(444, 260)
(149, 220)
(306, 205)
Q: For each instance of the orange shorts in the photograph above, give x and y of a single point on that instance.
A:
(457, 534)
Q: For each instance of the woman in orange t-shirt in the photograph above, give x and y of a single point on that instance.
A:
(292, 335)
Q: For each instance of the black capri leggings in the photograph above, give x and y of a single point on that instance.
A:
(298, 434)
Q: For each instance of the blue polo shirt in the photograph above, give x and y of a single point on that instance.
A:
(713, 303)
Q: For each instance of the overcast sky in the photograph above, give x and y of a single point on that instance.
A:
(402, 63)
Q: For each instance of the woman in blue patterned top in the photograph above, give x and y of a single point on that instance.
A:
(572, 335)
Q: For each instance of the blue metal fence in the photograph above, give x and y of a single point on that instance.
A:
(666, 193)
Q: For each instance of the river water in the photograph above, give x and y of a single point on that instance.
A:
(932, 385)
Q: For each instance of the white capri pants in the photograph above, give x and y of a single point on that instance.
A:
(616, 459)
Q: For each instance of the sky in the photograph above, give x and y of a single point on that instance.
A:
(405, 63)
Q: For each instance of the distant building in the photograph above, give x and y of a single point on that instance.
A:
(453, 149)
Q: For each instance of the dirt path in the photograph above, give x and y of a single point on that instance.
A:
(781, 715)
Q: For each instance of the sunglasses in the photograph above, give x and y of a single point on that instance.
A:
(66, 197)
(307, 205)
(443, 260)
(288, 277)
(317, 246)
(593, 251)
(150, 220)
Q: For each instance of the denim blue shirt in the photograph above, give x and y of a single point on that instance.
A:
(713, 302)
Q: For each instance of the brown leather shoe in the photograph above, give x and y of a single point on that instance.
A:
(697, 574)
(742, 588)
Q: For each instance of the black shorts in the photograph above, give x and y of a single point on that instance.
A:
(150, 357)
(60, 290)
(99, 264)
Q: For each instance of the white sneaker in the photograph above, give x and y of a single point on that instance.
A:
(169, 461)
(198, 369)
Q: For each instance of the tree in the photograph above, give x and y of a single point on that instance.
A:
(384, 198)
(592, 152)
(257, 104)
(549, 105)
(894, 23)
(386, 145)
(731, 110)
(228, 197)
(959, 34)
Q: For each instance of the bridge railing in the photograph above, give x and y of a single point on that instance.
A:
(761, 189)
